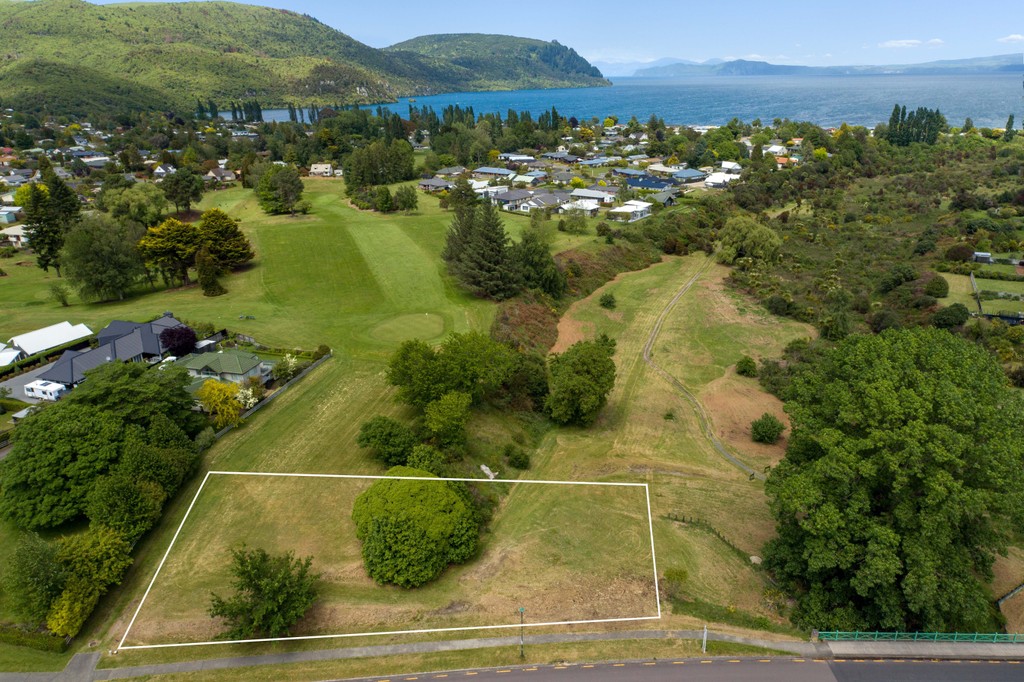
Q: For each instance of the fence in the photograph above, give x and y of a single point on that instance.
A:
(270, 398)
(984, 637)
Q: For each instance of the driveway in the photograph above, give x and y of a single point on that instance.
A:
(17, 384)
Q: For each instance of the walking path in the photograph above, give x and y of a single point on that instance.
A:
(702, 416)
(82, 667)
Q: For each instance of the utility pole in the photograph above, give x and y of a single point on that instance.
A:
(704, 641)
(522, 631)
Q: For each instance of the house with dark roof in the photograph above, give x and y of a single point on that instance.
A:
(510, 200)
(119, 340)
(434, 184)
(648, 182)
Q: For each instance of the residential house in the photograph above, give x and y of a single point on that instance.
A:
(528, 180)
(629, 172)
(509, 157)
(162, 170)
(662, 169)
(544, 201)
(234, 366)
(689, 175)
(321, 170)
(221, 175)
(648, 183)
(776, 150)
(10, 214)
(719, 180)
(492, 173)
(15, 236)
(665, 197)
(97, 161)
(450, 171)
(511, 200)
(731, 167)
(601, 197)
(631, 211)
(587, 207)
(435, 185)
(119, 340)
(562, 177)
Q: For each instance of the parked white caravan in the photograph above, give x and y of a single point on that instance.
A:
(44, 390)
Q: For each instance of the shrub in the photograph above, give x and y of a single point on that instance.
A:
(899, 274)
(778, 305)
(960, 252)
(412, 530)
(674, 582)
(608, 301)
(517, 457)
(391, 441)
(937, 287)
(767, 429)
(321, 351)
(884, 319)
(746, 367)
(951, 316)
(428, 458)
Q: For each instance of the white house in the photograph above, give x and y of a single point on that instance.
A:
(631, 211)
(595, 195)
(731, 167)
(321, 170)
(15, 235)
(719, 180)
(587, 207)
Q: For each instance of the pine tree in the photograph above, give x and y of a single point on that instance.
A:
(536, 266)
(1009, 133)
(207, 269)
(225, 240)
(486, 266)
(459, 234)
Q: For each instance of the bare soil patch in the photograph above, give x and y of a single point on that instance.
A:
(733, 403)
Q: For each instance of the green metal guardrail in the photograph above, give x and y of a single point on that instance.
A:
(984, 637)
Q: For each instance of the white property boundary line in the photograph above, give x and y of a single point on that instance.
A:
(650, 525)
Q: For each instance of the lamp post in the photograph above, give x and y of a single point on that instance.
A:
(522, 631)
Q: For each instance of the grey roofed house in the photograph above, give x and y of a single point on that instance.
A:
(511, 199)
(665, 198)
(450, 171)
(119, 340)
(434, 184)
(689, 175)
(563, 177)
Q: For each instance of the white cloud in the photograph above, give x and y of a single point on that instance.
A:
(936, 42)
(900, 43)
(1012, 38)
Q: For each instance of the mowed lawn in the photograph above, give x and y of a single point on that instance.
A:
(538, 557)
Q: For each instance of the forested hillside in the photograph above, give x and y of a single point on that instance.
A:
(496, 59)
(68, 56)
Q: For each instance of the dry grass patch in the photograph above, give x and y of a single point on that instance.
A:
(536, 554)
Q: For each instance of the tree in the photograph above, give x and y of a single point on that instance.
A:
(485, 265)
(183, 188)
(744, 237)
(406, 199)
(128, 506)
(391, 441)
(766, 429)
(428, 458)
(94, 561)
(57, 456)
(1009, 132)
(901, 481)
(220, 400)
(171, 247)
(33, 578)
(412, 530)
(44, 227)
(536, 266)
(272, 593)
(135, 395)
(279, 189)
(937, 287)
(581, 379)
(746, 367)
(446, 418)
(101, 258)
(471, 363)
(143, 203)
(178, 341)
(225, 239)
(207, 269)
(951, 316)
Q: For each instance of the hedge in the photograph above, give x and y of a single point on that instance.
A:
(43, 641)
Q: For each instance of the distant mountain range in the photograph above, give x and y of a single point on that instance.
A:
(1003, 63)
(72, 57)
(612, 69)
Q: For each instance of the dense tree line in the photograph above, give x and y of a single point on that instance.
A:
(922, 125)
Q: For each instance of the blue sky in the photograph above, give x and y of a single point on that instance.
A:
(789, 32)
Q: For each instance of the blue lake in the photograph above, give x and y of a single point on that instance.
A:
(826, 100)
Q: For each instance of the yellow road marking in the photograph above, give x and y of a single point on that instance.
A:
(619, 665)
(561, 667)
(734, 660)
(588, 666)
(678, 662)
(649, 663)
(1013, 662)
(707, 661)
(840, 660)
(764, 660)
(502, 671)
(798, 660)
(530, 670)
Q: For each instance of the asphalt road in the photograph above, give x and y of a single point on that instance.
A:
(739, 670)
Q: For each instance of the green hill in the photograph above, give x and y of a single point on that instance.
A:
(68, 56)
(496, 61)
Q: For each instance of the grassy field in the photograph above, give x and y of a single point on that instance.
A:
(361, 283)
(537, 556)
